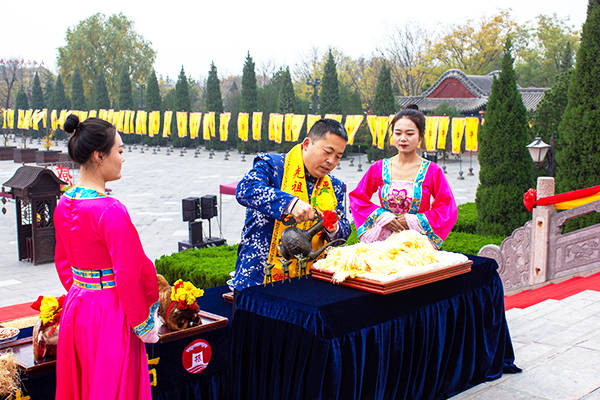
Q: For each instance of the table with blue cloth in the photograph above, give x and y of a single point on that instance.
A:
(309, 339)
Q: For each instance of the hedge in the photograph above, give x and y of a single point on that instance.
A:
(211, 266)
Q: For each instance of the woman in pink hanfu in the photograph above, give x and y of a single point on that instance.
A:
(406, 184)
(110, 308)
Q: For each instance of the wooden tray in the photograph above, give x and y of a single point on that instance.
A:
(369, 285)
(210, 322)
(228, 297)
(23, 351)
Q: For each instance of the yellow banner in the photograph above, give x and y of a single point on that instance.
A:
(83, 115)
(242, 124)
(352, 124)
(110, 115)
(310, 121)
(103, 114)
(20, 118)
(143, 122)
(62, 117)
(382, 128)
(208, 126)
(256, 125)
(153, 123)
(287, 127)
(126, 121)
(195, 121)
(9, 119)
(167, 124)
(431, 130)
(458, 127)
(442, 132)
(131, 121)
(117, 121)
(390, 130)
(182, 124)
(28, 119)
(92, 114)
(275, 127)
(472, 126)
(53, 120)
(224, 126)
(336, 117)
(297, 123)
(39, 115)
(372, 124)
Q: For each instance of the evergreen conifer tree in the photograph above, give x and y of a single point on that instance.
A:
(153, 103)
(77, 97)
(287, 98)
(577, 155)
(125, 96)
(59, 98)
(101, 100)
(21, 101)
(506, 169)
(384, 103)
(214, 102)
(549, 112)
(37, 97)
(153, 99)
(249, 100)
(182, 103)
(329, 100)
(48, 90)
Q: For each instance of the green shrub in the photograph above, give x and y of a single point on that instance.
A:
(467, 218)
(205, 268)
(211, 266)
(469, 243)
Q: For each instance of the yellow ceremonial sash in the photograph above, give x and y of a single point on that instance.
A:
(294, 182)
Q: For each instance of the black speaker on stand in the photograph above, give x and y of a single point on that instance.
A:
(193, 208)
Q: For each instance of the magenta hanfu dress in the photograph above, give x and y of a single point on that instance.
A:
(427, 202)
(111, 301)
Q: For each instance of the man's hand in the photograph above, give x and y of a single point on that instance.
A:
(302, 211)
(398, 224)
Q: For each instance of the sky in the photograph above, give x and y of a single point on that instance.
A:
(194, 33)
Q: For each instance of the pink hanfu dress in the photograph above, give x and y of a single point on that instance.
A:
(427, 203)
(100, 354)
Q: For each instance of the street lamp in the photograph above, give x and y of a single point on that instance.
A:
(315, 99)
(538, 151)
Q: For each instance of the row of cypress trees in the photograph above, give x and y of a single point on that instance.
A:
(568, 116)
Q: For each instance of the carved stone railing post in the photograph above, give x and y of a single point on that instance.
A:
(540, 232)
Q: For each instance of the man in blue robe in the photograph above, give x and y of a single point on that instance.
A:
(260, 192)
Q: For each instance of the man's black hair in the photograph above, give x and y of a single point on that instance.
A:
(326, 125)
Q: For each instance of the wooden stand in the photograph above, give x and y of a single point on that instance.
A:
(210, 322)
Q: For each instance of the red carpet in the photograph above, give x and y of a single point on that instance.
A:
(556, 291)
(17, 311)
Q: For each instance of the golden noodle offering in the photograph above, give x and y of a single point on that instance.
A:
(403, 254)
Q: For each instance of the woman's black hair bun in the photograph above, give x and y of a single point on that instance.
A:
(71, 123)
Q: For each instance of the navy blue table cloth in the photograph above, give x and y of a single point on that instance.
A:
(309, 339)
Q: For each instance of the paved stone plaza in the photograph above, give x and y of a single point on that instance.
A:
(557, 343)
